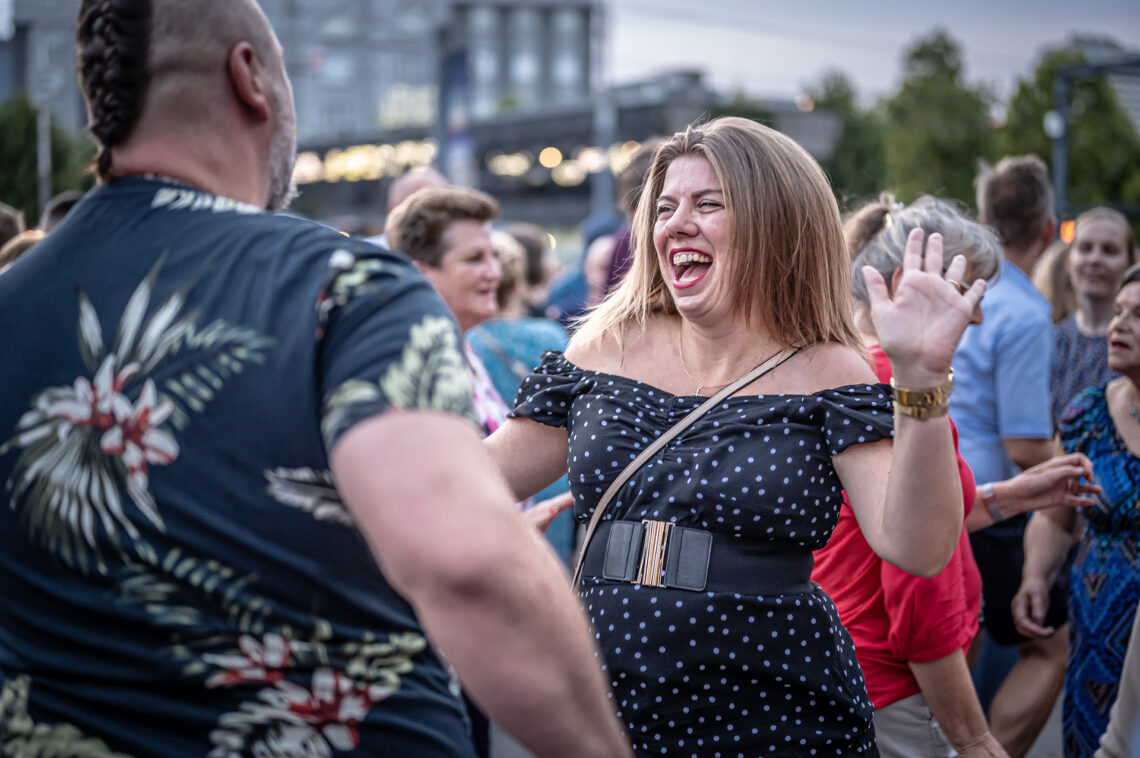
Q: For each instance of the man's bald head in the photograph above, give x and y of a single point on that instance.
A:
(403, 187)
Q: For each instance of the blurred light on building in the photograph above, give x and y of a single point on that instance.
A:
(568, 174)
(361, 163)
(805, 103)
(1068, 230)
(509, 164)
(550, 157)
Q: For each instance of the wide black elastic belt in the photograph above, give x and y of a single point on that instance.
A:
(663, 554)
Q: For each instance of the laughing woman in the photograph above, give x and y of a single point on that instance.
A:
(698, 577)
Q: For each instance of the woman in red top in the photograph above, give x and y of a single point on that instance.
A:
(911, 634)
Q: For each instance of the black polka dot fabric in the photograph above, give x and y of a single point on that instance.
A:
(718, 673)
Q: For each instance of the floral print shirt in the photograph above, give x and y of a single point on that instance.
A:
(179, 575)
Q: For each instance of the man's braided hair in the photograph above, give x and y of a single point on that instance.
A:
(113, 37)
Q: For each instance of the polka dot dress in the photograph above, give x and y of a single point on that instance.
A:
(719, 674)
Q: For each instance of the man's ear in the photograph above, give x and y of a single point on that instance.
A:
(248, 79)
(1048, 230)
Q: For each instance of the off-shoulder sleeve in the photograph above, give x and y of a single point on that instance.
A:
(856, 414)
(545, 395)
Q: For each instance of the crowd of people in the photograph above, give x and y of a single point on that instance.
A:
(276, 491)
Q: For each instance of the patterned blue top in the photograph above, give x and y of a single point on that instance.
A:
(1079, 362)
(1105, 585)
(179, 575)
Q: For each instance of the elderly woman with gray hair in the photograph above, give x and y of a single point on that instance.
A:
(912, 634)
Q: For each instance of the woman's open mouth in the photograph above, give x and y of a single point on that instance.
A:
(689, 267)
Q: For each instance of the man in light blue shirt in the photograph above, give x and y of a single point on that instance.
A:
(1001, 404)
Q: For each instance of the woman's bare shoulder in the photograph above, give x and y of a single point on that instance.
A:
(614, 352)
(832, 364)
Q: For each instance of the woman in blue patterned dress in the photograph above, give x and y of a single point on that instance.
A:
(1104, 424)
(725, 647)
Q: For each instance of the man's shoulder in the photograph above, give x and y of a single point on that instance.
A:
(303, 241)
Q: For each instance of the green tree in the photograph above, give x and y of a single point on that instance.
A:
(19, 181)
(745, 107)
(1104, 147)
(937, 126)
(857, 167)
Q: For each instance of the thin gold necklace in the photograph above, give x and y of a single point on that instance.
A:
(700, 385)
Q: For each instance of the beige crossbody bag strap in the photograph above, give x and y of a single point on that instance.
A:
(664, 439)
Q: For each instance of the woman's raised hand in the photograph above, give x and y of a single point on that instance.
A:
(920, 325)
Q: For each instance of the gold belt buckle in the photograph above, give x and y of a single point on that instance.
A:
(651, 570)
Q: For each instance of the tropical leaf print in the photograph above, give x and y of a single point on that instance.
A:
(183, 591)
(87, 449)
(310, 491)
(212, 356)
(21, 737)
(430, 373)
(349, 277)
(288, 719)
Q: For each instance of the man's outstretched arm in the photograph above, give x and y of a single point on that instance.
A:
(489, 593)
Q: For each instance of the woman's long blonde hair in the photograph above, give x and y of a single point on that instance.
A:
(788, 250)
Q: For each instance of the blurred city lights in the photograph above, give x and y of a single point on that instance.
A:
(550, 157)
(358, 163)
(568, 174)
(1068, 230)
(509, 164)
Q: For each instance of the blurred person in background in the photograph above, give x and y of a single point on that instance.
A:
(1001, 404)
(404, 186)
(17, 246)
(57, 208)
(912, 634)
(568, 296)
(447, 233)
(510, 345)
(629, 184)
(11, 222)
(537, 270)
(1053, 282)
(245, 507)
(1101, 251)
(1104, 587)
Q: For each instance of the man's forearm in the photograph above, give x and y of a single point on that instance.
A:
(540, 653)
(950, 695)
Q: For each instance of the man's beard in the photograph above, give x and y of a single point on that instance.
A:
(282, 155)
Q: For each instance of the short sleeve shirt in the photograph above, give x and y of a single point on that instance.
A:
(1001, 375)
(180, 577)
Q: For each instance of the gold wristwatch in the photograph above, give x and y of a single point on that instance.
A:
(925, 403)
